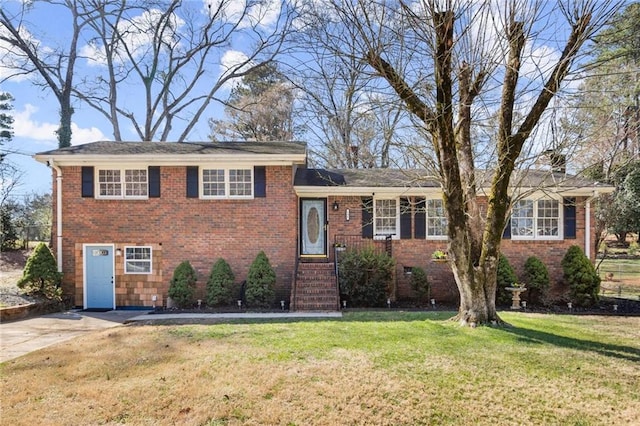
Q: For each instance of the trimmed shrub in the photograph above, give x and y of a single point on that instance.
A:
(579, 273)
(365, 277)
(182, 287)
(40, 276)
(220, 284)
(261, 280)
(536, 278)
(506, 278)
(420, 284)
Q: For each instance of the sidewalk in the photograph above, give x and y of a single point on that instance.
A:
(20, 337)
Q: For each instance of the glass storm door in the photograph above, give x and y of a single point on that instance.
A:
(313, 227)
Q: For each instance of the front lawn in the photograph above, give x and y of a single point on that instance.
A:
(393, 368)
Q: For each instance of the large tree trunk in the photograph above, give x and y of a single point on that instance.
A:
(477, 305)
(474, 237)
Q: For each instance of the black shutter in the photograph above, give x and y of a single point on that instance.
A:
(192, 181)
(570, 218)
(405, 219)
(506, 234)
(154, 181)
(259, 181)
(367, 217)
(420, 219)
(87, 181)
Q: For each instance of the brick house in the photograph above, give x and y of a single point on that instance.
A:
(127, 213)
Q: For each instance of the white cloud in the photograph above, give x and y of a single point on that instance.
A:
(25, 126)
(232, 61)
(265, 13)
(138, 35)
(260, 14)
(94, 54)
(538, 62)
(11, 59)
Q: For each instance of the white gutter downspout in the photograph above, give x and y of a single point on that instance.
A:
(587, 226)
(58, 212)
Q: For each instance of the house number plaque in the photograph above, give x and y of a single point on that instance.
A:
(98, 252)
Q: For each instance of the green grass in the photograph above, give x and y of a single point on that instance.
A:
(400, 368)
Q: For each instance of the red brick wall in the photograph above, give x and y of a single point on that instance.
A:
(199, 231)
(413, 252)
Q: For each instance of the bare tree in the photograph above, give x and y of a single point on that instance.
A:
(348, 122)
(174, 56)
(455, 65)
(154, 66)
(51, 67)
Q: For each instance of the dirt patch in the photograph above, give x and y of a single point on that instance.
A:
(11, 265)
(13, 260)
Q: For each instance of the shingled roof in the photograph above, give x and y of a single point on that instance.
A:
(179, 148)
(414, 181)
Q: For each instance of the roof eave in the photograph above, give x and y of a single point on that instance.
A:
(173, 159)
(322, 191)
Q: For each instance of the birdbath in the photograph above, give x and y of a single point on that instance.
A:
(515, 296)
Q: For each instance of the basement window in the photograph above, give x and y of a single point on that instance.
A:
(137, 260)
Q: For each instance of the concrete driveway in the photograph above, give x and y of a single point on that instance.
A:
(23, 336)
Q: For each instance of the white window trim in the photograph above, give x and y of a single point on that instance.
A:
(395, 236)
(122, 196)
(227, 184)
(535, 236)
(426, 225)
(124, 256)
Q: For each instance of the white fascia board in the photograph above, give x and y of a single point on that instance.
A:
(324, 191)
(582, 191)
(175, 160)
(335, 191)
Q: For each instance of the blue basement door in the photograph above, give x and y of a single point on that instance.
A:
(99, 270)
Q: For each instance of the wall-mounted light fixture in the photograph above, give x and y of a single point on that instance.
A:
(347, 215)
(118, 252)
(336, 206)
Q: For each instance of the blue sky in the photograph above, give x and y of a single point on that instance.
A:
(36, 109)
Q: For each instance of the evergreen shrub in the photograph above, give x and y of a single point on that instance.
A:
(506, 278)
(220, 284)
(261, 280)
(583, 280)
(40, 276)
(365, 277)
(182, 287)
(536, 278)
(420, 284)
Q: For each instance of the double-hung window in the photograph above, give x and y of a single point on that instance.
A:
(227, 183)
(123, 183)
(137, 260)
(436, 219)
(536, 219)
(386, 218)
